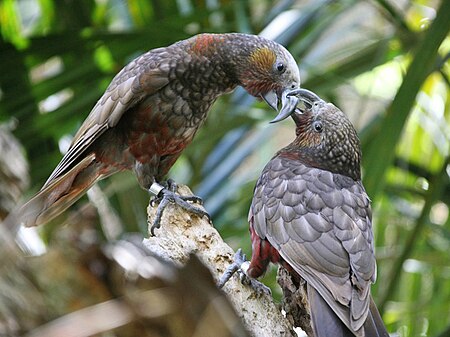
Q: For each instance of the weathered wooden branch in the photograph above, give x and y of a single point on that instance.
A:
(182, 234)
(295, 301)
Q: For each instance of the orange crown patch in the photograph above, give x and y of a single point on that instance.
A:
(264, 58)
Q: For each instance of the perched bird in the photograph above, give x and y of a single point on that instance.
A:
(152, 109)
(311, 214)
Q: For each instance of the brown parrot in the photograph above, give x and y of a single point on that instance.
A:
(152, 109)
(310, 213)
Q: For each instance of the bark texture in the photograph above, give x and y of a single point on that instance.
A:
(182, 234)
(295, 301)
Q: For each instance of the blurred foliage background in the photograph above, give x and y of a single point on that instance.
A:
(383, 62)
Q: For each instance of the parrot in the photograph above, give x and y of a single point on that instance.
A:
(153, 108)
(311, 214)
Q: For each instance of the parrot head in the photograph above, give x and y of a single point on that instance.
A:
(325, 135)
(265, 69)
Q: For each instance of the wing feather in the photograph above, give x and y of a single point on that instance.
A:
(142, 77)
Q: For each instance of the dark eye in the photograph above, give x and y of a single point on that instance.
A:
(317, 126)
(280, 67)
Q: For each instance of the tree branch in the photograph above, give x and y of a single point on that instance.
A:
(182, 234)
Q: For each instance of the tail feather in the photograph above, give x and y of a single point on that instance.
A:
(325, 322)
(323, 319)
(374, 326)
(60, 193)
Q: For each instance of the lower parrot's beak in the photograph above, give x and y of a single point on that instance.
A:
(289, 101)
(306, 96)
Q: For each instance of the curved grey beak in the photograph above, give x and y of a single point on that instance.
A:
(271, 98)
(291, 99)
(288, 103)
(306, 96)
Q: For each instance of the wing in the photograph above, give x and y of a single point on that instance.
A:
(142, 77)
(321, 224)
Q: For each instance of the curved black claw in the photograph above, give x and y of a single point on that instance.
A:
(168, 195)
(240, 265)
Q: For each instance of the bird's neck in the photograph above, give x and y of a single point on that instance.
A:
(311, 157)
(209, 58)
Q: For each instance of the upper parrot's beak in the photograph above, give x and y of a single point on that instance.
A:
(289, 101)
(271, 98)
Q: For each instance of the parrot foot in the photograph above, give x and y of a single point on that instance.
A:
(241, 265)
(166, 195)
(172, 186)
